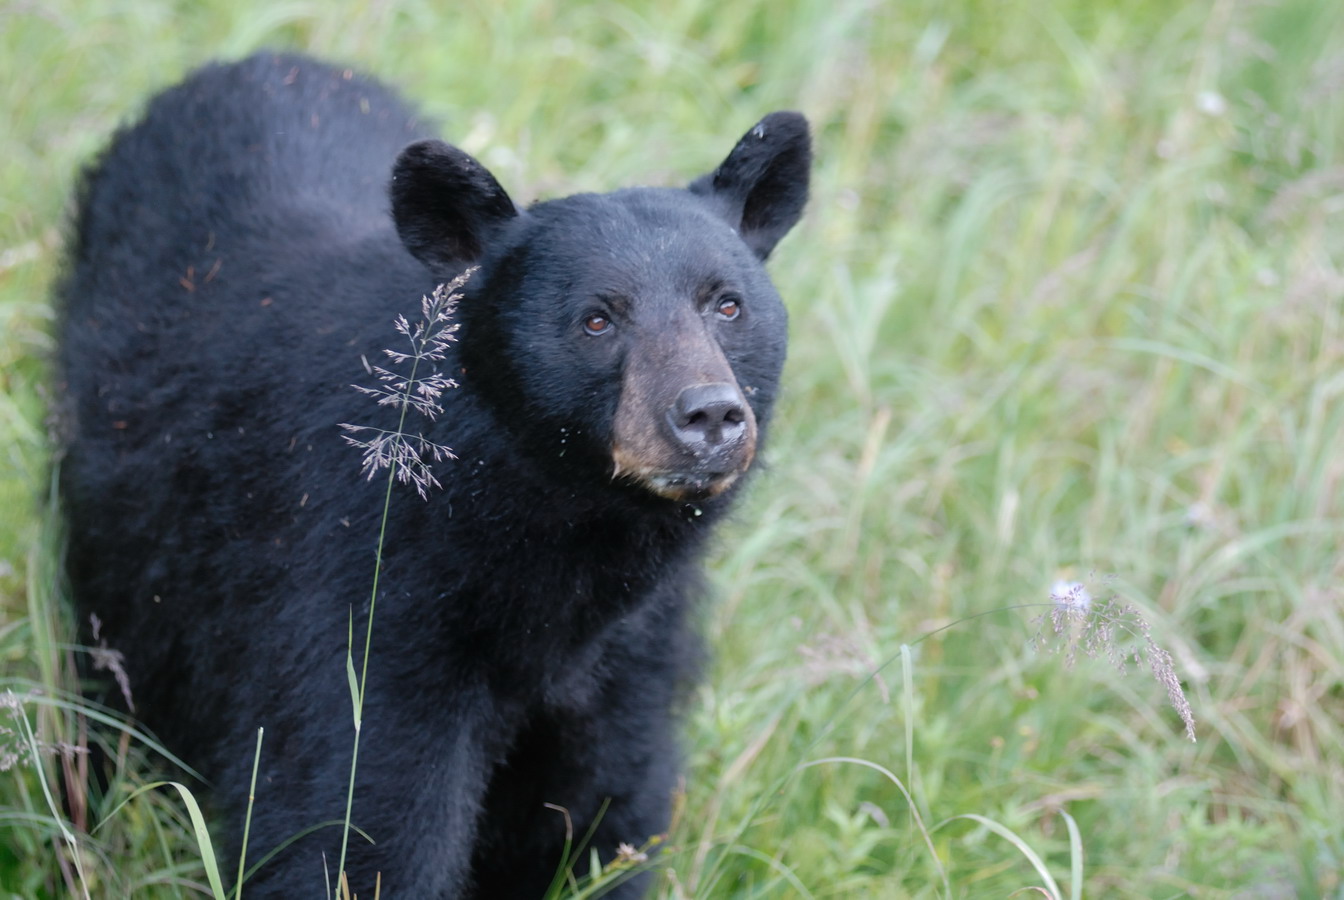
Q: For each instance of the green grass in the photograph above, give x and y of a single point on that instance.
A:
(1068, 303)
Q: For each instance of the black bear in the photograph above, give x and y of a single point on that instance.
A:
(237, 261)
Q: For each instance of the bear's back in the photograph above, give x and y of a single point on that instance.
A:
(233, 235)
(241, 143)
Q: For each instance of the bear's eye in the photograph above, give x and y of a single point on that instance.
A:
(729, 307)
(596, 324)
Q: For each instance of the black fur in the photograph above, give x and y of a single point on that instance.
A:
(232, 260)
(446, 205)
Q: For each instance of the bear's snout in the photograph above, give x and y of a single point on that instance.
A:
(707, 418)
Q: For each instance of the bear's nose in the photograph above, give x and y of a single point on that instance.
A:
(706, 416)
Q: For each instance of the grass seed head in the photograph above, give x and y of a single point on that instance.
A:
(411, 383)
(1109, 629)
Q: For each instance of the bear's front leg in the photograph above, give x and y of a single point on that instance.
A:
(419, 791)
(599, 763)
(606, 778)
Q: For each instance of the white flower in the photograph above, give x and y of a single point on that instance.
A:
(1211, 103)
(1071, 595)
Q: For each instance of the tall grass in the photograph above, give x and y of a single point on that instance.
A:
(1068, 305)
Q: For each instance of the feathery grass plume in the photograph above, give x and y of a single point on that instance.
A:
(105, 659)
(407, 458)
(12, 751)
(409, 455)
(1077, 622)
(19, 746)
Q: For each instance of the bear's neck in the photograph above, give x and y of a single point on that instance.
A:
(595, 558)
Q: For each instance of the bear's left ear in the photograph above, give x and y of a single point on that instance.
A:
(761, 187)
(446, 205)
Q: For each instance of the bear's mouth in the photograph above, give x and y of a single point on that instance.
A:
(690, 486)
(677, 485)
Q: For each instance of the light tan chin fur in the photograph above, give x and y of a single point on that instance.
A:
(657, 481)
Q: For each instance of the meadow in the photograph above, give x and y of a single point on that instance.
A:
(1067, 316)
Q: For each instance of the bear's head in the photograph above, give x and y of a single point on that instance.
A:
(634, 332)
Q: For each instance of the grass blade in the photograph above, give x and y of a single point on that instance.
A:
(1023, 847)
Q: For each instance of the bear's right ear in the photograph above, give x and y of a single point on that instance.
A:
(446, 205)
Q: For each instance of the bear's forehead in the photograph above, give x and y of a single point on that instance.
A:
(639, 217)
(637, 237)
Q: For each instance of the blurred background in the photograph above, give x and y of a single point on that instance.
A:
(1066, 375)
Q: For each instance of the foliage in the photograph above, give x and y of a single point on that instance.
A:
(1068, 305)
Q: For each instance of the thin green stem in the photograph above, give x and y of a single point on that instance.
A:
(368, 635)
(247, 820)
